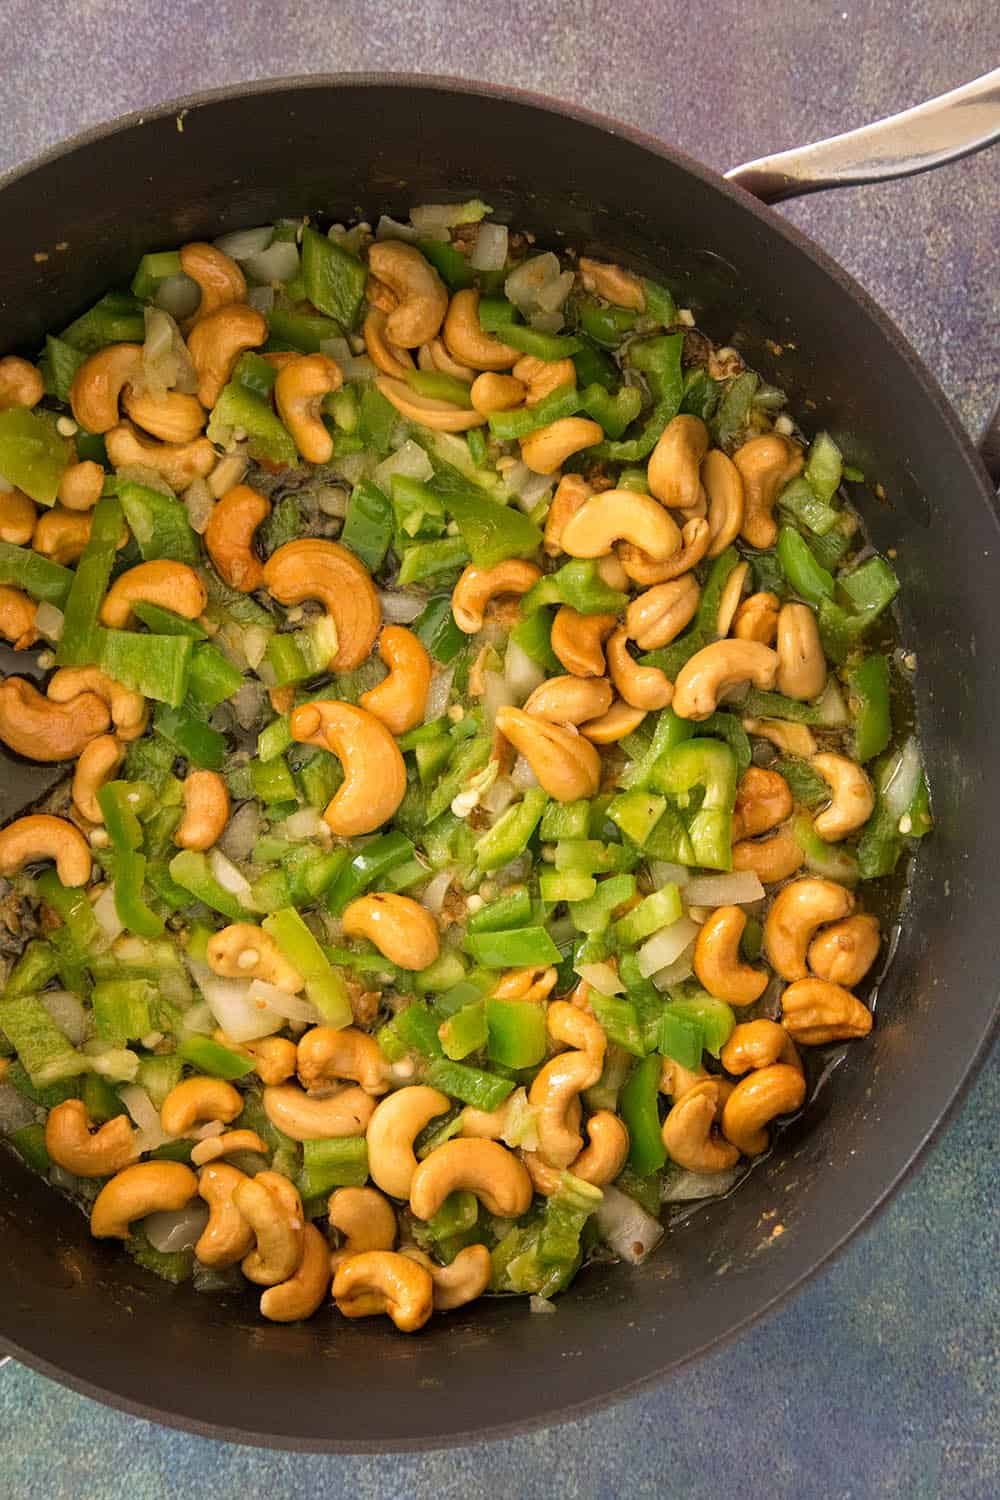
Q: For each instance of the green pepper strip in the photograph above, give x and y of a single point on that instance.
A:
(159, 524)
(37, 575)
(191, 870)
(493, 532)
(154, 665)
(869, 687)
(368, 525)
(808, 579)
(197, 741)
(510, 833)
(562, 402)
(32, 454)
(324, 985)
(659, 359)
(520, 948)
(711, 765)
(578, 584)
(334, 279)
(125, 831)
(367, 867)
(517, 1036)
(640, 1111)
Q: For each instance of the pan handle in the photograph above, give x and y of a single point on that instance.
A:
(941, 130)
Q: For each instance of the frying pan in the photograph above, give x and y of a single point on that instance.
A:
(80, 1311)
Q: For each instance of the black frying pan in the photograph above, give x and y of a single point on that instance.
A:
(82, 1312)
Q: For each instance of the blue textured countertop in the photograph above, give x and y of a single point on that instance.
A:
(880, 1379)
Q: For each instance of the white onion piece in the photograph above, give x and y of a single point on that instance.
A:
(67, 1012)
(434, 892)
(601, 977)
(490, 249)
(539, 1304)
(178, 295)
(499, 797)
(207, 1131)
(687, 1186)
(527, 281)
(240, 244)
(177, 1230)
(664, 873)
(247, 703)
(433, 220)
(199, 502)
(409, 460)
(292, 1007)
(304, 824)
(261, 298)
(198, 1020)
(228, 876)
(666, 945)
(149, 1132)
(527, 487)
(279, 262)
(901, 786)
(392, 229)
(336, 349)
(49, 621)
(118, 1064)
(522, 673)
(352, 468)
(358, 367)
(240, 833)
(738, 889)
(255, 639)
(229, 1000)
(831, 706)
(520, 1122)
(522, 775)
(497, 694)
(166, 360)
(625, 1227)
(546, 322)
(15, 1110)
(682, 968)
(438, 695)
(553, 294)
(399, 608)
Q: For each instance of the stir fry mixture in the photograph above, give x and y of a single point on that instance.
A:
(475, 698)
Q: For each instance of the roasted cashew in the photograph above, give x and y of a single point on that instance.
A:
(758, 1044)
(757, 619)
(231, 1141)
(316, 569)
(566, 765)
(304, 1119)
(717, 960)
(401, 929)
(18, 515)
(771, 859)
(658, 616)
(647, 688)
(146, 1187)
(300, 1296)
(571, 491)
(714, 669)
(172, 417)
(578, 639)
(844, 952)
(541, 377)
(675, 1079)
(494, 392)
(365, 1219)
(598, 1163)
(272, 1207)
(243, 951)
(421, 295)
(547, 449)
(796, 912)
(39, 729)
(465, 1279)
(70, 1144)
(815, 1011)
(617, 516)
(326, 1054)
(613, 283)
(216, 342)
(219, 278)
(17, 618)
(470, 344)
(382, 1281)
(298, 392)
(81, 485)
(674, 470)
(275, 1058)
(383, 353)
(41, 836)
(197, 1099)
(61, 535)
(485, 1168)
(434, 356)
(766, 464)
(641, 568)
(801, 662)
(97, 764)
(400, 700)
(478, 586)
(757, 1100)
(180, 464)
(570, 700)
(429, 411)
(556, 1088)
(20, 383)
(620, 720)
(729, 602)
(853, 798)
(531, 984)
(689, 1131)
(206, 810)
(763, 800)
(793, 739)
(723, 485)
(229, 537)
(99, 382)
(129, 710)
(227, 1237)
(392, 1129)
(374, 773)
(172, 585)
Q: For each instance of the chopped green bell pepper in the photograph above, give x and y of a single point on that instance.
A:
(334, 279)
(869, 688)
(711, 765)
(159, 523)
(640, 1111)
(324, 986)
(510, 833)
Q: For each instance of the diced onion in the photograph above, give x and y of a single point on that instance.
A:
(228, 876)
(358, 367)
(433, 220)
(438, 694)
(150, 1132)
(118, 1064)
(601, 977)
(247, 703)
(737, 889)
(304, 824)
(261, 298)
(520, 1122)
(664, 873)
(525, 285)
(166, 360)
(332, 500)
(546, 322)
(499, 797)
(199, 503)
(255, 639)
(523, 674)
(229, 1000)
(177, 1230)
(241, 831)
(687, 1186)
(626, 1227)
(410, 460)
(553, 294)
(49, 621)
(901, 785)
(490, 249)
(497, 694)
(831, 706)
(279, 262)
(292, 1007)
(337, 349)
(682, 968)
(434, 892)
(392, 229)
(178, 295)
(15, 1110)
(66, 1011)
(539, 1304)
(399, 608)
(666, 945)
(241, 244)
(522, 775)
(527, 487)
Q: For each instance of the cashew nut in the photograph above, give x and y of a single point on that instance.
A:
(17, 618)
(556, 1088)
(180, 464)
(434, 356)
(570, 700)
(97, 764)
(300, 1296)
(478, 586)
(129, 710)
(801, 662)
(531, 984)
(229, 537)
(493, 392)
(315, 569)
(422, 298)
(714, 669)
(147, 1187)
(757, 619)
(227, 1237)
(98, 384)
(382, 1281)
(689, 1131)
(206, 810)
(571, 491)
(844, 952)
(216, 343)
(675, 1079)
(400, 700)
(620, 720)
(172, 585)
(796, 912)
(17, 518)
(598, 1163)
(305, 1119)
(766, 464)
(763, 800)
(547, 449)
(463, 1281)
(815, 1011)
(641, 568)
(374, 772)
(243, 951)
(468, 342)
(674, 471)
(392, 1129)
(442, 416)
(577, 640)
(231, 1141)
(62, 534)
(723, 485)
(298, 392)
(326, 1053)
(219, 278)
(543, 376)
(793, 739)
(658, 616)
(35, 727)
(41, 836)
(70, 1144)
(717, 959)
(199, 1098)
(172, 417)
(566, 765)
(365, 1219)
(81, 485)
(729, 602)
(613, 283)
(647, 688)
(401, 929)
(383, 353)
(616, 516)
(772, 859)
(275, 1058)
(757, 1044)
(486, 1168)
(20, 383)
(852, 797)
(757, 1100)
(273, 1209)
